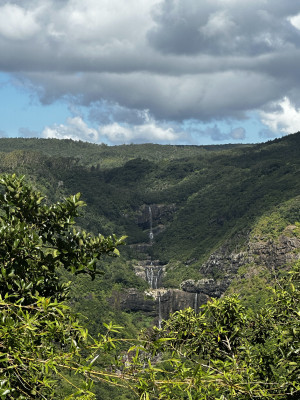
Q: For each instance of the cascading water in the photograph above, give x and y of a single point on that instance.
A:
(159, 312)
(151, 236)
(196, 303)
(153, 275)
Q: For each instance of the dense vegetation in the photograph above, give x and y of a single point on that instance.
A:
(216, 193)
(38, 333)
(225, 352)
(204, 196)
(222, 352)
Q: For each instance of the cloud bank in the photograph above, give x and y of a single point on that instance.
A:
(175, 60)
(76, 129)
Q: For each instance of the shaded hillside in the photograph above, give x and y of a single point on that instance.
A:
(103, 156)
(199, 196)
(201, 221)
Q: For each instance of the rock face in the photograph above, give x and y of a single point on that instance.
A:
(174, 300)
(275, 254)
(134, 300)
(272, 254)
(220, 269)
(206, 286)
(155, 216)
(158, 303)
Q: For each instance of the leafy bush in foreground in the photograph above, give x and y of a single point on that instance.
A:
(40, 339)
(225, 352)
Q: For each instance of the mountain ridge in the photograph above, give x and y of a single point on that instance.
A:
(200, 197)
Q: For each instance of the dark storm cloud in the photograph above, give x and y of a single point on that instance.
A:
(174, 97)
(228, 27)
(184, 59)
(107, 113)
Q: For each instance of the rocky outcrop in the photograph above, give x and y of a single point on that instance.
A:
(174, 300)
(224, 263)
(158, 303)
(161, 214)
(275, 253)
(206, 286)
(271, 253)
(134, 300)
(220, 269)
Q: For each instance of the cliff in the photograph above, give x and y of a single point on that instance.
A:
(273, 254)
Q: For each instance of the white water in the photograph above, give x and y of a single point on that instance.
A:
(153, 275)
(196, 303)
(151, 236)
(159, 312)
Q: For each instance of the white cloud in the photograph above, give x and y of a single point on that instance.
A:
(208, 60)
(96, 26)
(16, 23)
(148, 132)
(219, 23)
(295, 21)
(286, 118)
(75, 129)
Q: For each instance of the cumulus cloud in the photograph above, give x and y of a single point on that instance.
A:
(223, 27)
(201, 96)
(105, 113)
(215, 133)
(75, 129)
(181, 60)
(114, 133)
(295, 21)
(285, 117)
(148, 132)
(17, 23)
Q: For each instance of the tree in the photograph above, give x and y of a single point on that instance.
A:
(39, 336)
(222, 353)
(225, 352)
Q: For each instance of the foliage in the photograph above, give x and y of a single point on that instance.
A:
(224, 352)
(224, 188)
(252, 279)
(39, 336)
(216, 193)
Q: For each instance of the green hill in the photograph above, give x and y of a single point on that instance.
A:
(223, 215)
(201, 195)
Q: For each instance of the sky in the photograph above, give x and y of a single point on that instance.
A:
(139, 71)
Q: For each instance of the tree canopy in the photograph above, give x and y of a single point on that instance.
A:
(226, 352)
(38, 333)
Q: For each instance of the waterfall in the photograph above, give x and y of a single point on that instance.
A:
(149, 276)
(153, 275)
(157, 277)
(159, 312)
(151, 236)
(196, 303)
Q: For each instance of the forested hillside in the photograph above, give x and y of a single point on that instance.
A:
(200, 221)
(200, 195)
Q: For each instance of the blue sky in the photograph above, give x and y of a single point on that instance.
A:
(162, 71)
